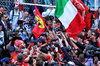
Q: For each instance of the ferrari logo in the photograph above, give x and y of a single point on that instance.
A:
(40, 22)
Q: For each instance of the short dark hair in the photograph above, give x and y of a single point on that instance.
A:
(79, 51)
(19, 22)
(42, 57)
(39, 62)
(80, 36)
(2, 15)
(47, 18)
(96, 34)
(81, 58)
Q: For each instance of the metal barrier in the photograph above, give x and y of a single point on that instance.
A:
(6, 3)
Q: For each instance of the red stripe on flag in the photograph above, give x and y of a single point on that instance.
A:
(21, 7)
(76, 26)
(96, 14)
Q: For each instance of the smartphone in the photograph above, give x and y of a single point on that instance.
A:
(34, 47)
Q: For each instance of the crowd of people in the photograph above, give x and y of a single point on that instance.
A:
(54, 47)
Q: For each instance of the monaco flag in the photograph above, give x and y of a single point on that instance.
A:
(70, 17)
(40, 26)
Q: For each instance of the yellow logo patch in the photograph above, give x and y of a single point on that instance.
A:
(40, 22)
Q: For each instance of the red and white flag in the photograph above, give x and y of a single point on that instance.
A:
(70, 17)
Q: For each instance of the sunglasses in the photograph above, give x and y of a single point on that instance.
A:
(92, 34)
(40, 42)
(5, 17)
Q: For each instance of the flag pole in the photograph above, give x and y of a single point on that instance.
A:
(53, 22)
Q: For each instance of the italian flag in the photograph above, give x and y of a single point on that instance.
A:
(70, 17)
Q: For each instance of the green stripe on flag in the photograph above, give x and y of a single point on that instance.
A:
(60, 7)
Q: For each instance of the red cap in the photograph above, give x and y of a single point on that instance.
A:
(19, 43)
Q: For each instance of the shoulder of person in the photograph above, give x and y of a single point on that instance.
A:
(11, 11)
(53, 9)
(1, 32)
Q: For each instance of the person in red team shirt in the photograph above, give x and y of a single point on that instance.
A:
(84, 11)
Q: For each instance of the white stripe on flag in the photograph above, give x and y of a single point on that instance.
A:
(69, 14)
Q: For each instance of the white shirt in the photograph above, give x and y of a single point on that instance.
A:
(15, 17)
(16, 14)
(3, 22)
(1, 37)
(25, 19)
(49, 12)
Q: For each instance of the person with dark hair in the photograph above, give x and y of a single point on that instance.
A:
(5, 61)
(93, 38)
(23, 33)
(78, 61)
(39, 62)
(79, 43)
(89, 33)
(4, 23)
(55, 26)
(48, 22)
(5, 26)
(50, 11)
(82, 58)
(40, 42)
(20, 59)
(13, 54)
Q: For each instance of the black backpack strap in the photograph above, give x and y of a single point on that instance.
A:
(12, 14)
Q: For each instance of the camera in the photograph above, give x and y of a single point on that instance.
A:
(51, 49)
(22, 29)
(11, 33)
(92, 51)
